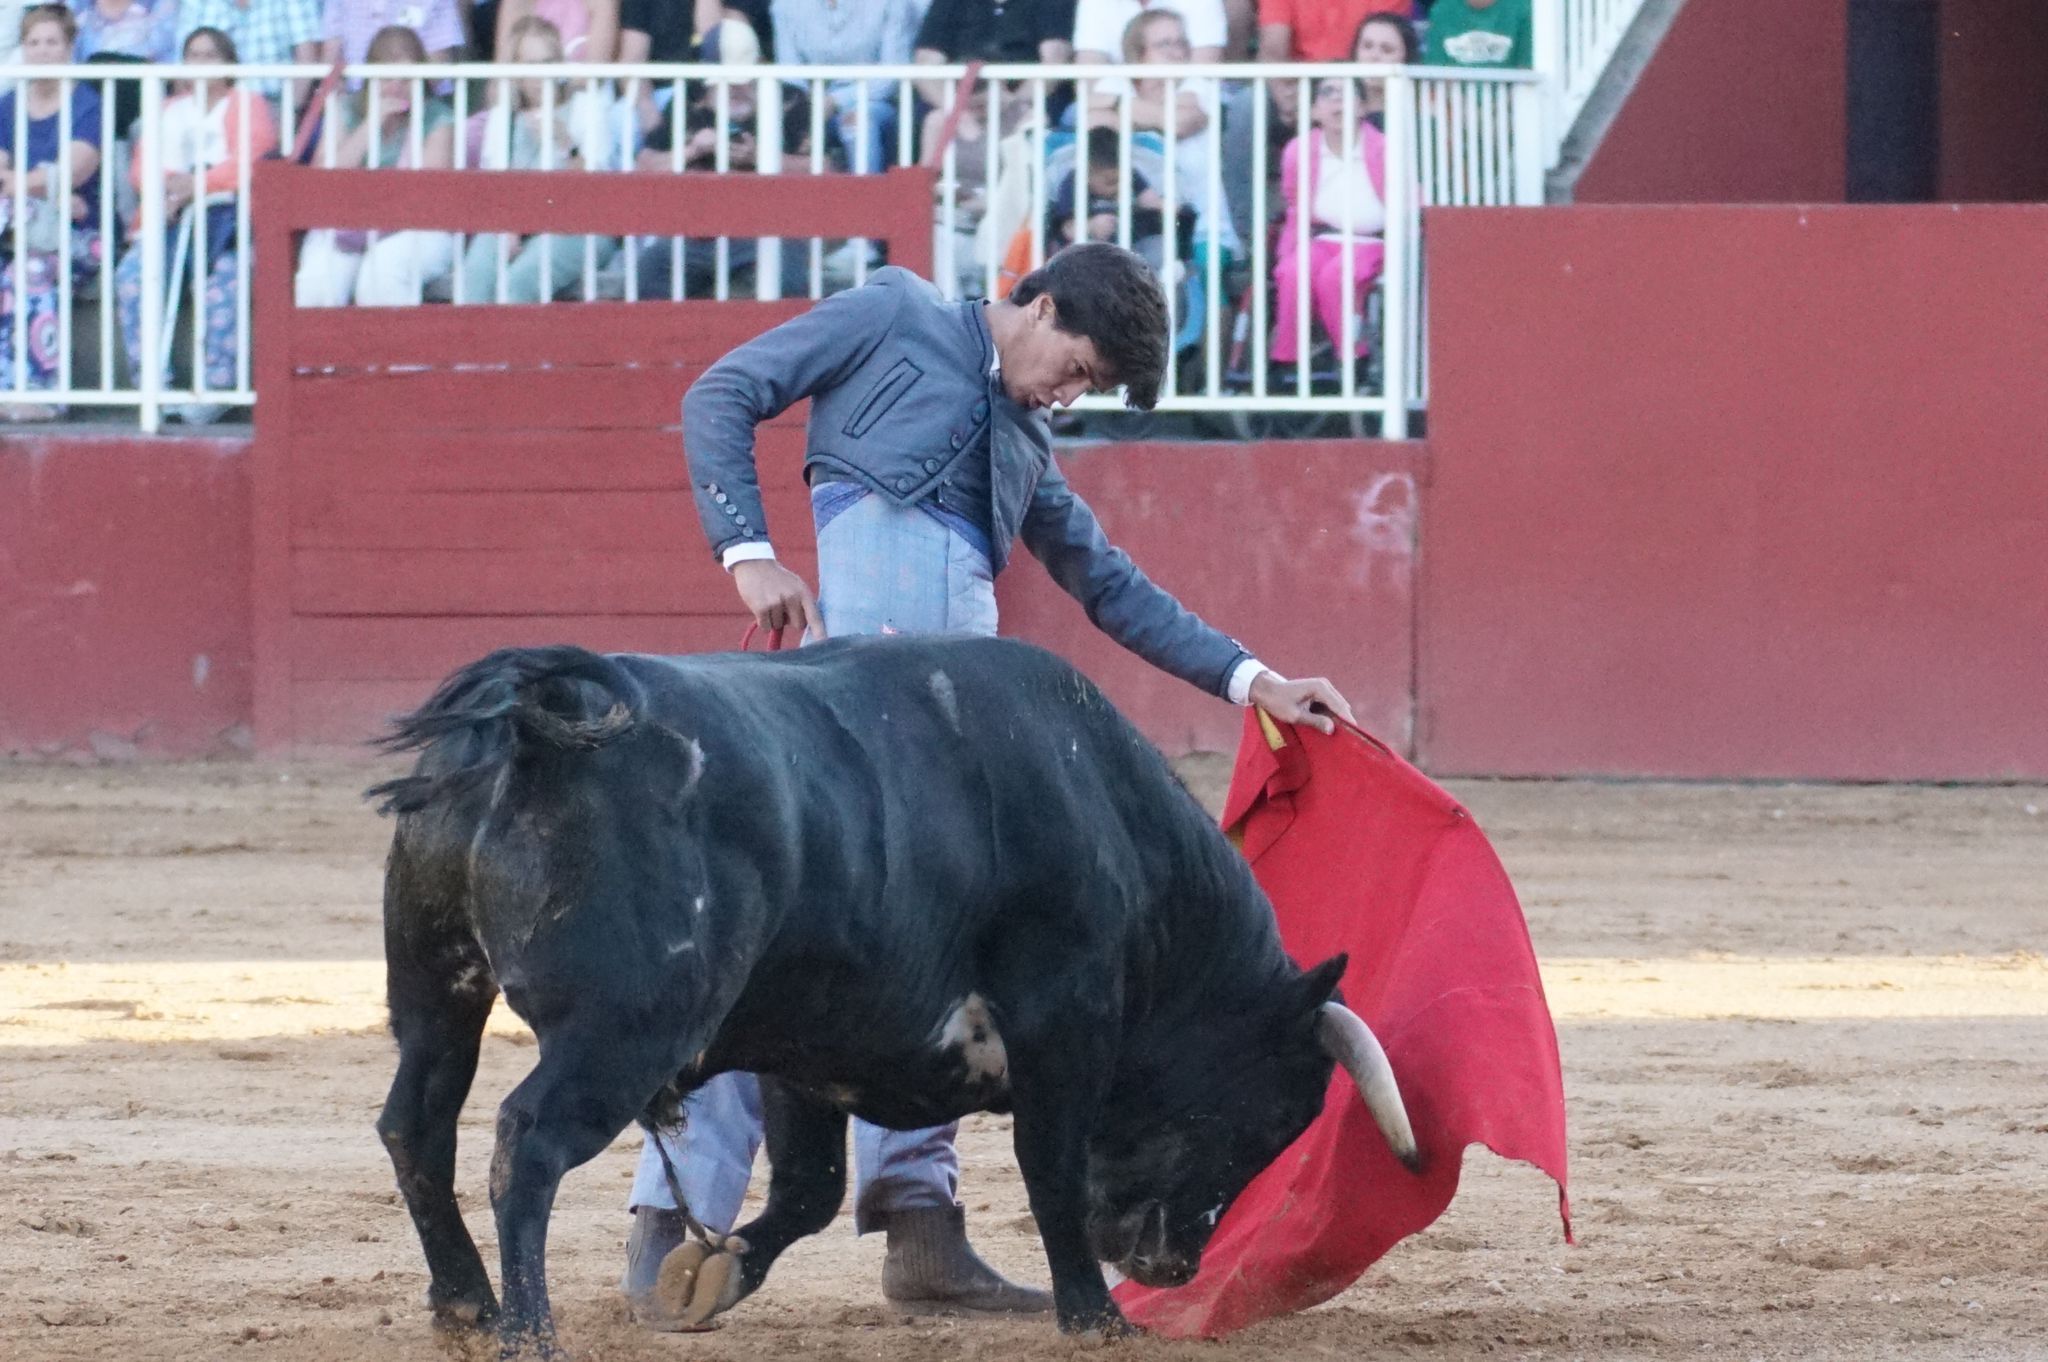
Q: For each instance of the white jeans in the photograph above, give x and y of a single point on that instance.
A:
(393, 272)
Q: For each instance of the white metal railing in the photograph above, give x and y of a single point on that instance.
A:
(1574, 40)
(1450, 137)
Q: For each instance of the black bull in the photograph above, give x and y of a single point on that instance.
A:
(905, 878)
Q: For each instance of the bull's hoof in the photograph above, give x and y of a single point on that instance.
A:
(528, 1345)
(696, 1283)
(463, 1316)
(1108, 1324)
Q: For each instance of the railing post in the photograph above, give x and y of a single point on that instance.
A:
(1525, 107)
(1404, 221)
(1547, 39)
(768, 161)
(150, 378)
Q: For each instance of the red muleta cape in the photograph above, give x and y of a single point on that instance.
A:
(1362, 853)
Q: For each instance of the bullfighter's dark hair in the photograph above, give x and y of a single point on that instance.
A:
(1109, 295)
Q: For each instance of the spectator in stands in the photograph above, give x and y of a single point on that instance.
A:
(697, 126)
(204, 149)
(138, 29)
(1157, 37)
(350, 26)
(687, 30)
(60, 181)
(265, 32)
(515, 138)
(1343, 200)
(373, 127)
(1479, 33)
(1072, 216)
(851, 33)
(1313, 30)
(984, 30)
(589, 29)
(1101, 27)
(1318, 30)
(707, 31)
(1384, 40)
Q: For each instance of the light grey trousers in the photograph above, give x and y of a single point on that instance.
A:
(882, 568)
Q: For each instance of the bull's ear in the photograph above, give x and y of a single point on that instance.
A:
(1319, 985)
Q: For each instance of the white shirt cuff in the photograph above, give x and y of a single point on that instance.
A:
(746, 552)
(1241, 677)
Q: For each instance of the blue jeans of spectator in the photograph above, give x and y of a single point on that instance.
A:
(882, 568)
(879, 142)
(655, 268)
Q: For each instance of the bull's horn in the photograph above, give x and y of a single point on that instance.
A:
(1347, 1039)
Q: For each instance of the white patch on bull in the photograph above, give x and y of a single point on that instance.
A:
(970, 1030)
(471, 978)
(1213, 1214)
(949, 704)
(696, 772)
(677, 948)
(843, 1095)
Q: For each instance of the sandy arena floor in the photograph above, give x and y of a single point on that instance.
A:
(1805, 1034)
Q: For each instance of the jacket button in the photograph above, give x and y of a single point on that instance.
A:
(958, 439)
(904, 484)
(981, 410)
(931, 465)
(732, 510)
(719, 497)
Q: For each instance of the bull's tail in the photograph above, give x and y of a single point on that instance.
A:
(562, 697)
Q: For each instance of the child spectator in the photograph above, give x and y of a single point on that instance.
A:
(1344, 201)
(589, 29)
(1086, 205)
(204, 149)
(1481, 33)
(393, 270)
(515, 138)
(134, 29)
(60, 184)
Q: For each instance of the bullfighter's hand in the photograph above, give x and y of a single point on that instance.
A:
(777, 598)
(1311, 701)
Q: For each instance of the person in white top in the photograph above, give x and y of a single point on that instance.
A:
(1099, 27)
(514, 137)
(1159, 36)
(208, 145)
(1334, 179)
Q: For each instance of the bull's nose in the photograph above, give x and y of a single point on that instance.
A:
(1167, 1271)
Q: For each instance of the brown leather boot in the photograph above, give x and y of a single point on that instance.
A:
(930, 1265)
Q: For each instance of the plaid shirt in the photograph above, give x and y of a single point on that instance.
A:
(264, 31)
(354, 22)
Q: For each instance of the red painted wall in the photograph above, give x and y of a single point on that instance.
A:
(1742, 103)
(1737, 492)
(126, 562)
(124, 587)
(1303, 551)
(1994, 100)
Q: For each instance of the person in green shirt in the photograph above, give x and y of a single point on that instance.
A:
(1490, 33)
